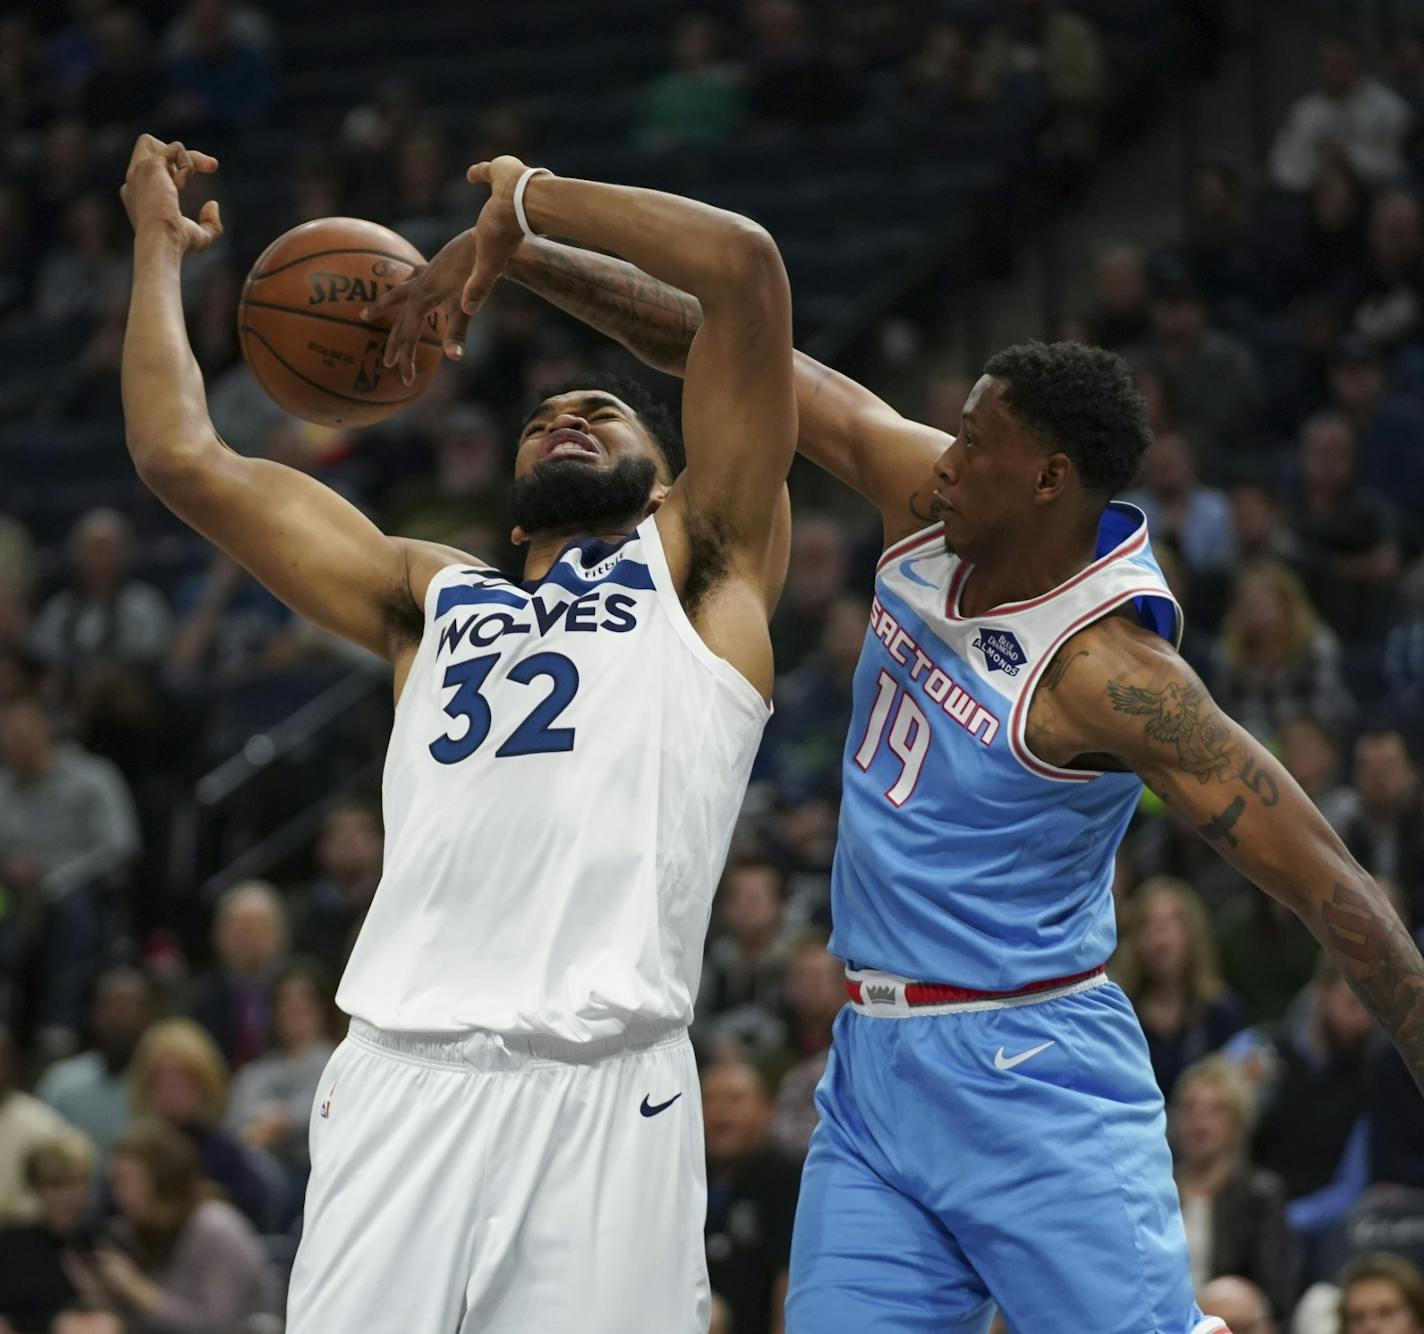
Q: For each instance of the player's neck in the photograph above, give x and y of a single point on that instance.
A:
(1025, 571)
(544, 548)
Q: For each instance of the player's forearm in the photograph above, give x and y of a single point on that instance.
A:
(720, 258)
(654, 321)
(165, 408)
(1357, 923)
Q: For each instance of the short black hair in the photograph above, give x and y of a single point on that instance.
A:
(655, 417)
(1083, 401)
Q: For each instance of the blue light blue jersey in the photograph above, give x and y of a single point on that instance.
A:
(963, 858)
(983, 1150)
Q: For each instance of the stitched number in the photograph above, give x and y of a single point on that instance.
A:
(879, 712)
(909, 742)
(909, 739)
(533, 736)
(467, 703)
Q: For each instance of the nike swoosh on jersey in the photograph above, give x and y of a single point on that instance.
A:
(648, 1109)
(1002, 1062)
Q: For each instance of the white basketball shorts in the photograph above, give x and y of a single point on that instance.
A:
(480, 1185)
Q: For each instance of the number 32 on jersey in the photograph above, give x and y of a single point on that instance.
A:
(535, 734)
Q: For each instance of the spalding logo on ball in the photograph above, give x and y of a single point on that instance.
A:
(299, 322)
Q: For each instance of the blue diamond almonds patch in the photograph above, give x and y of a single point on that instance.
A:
(1002, 652)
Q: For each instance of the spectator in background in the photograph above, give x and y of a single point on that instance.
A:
(792, 77)
(1329, 254)
(1275, 659)
(1384, 830)
(944, 399)
(815, 995)
(35, 1285)
(1234, 1214)
(1403, 658)
(804, 741)
(1350, 115)
(1240, 1303)
(751, 1198)
(104, 613)
(942, 77)
(1350, 532)
(1318, 1058)
(184, 1262)
(1121, 316)
(1381, 1294)
(1310, 751)
(426, 199)
(17, 556)
(271, 1100)
(1217, 249)
(179, 1077)
(1259, 531)
(119, 88)
(745, 964)
(1388, 303)
(1196, 519)
(1061, 52)
(348, 857)
(219, 71)
(461, 501)
(721, 1317)
(1388, 426)
(90, 1090)
(64, 812)
(699, 102)
(233, 1001)
(370, 138)
(1167, 967)
(814, 579)
(24, 1123)
(1213, 377)
(87, 270)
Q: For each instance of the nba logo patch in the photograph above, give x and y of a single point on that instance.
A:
(326, 1102)
(1002, 652)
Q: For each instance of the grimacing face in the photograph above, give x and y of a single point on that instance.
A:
(620, 468)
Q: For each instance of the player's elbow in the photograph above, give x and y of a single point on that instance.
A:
(751, 262)
(171, 466)
(751, 277)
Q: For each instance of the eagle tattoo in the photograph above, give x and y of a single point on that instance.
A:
(1173, 715)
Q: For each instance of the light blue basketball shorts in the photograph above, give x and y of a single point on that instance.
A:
(1001, 1153)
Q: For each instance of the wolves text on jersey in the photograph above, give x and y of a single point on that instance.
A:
(941, 688)
(588, 613)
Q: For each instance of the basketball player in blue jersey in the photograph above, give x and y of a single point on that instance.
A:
(510, 1139)
(991, 1132)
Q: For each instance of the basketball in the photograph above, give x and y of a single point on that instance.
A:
(299, 322)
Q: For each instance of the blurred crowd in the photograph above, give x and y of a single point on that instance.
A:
(164, 1021)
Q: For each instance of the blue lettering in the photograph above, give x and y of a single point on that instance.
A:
(547, 617)
(452, 634)
(581, 613)
(494, 625)
(621, 606)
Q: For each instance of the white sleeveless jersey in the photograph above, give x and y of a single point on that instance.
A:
(566, 766)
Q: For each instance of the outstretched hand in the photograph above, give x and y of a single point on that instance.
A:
(156, 172)
(409, 305)
(497, 231)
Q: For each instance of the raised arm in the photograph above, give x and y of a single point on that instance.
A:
(843, 427)
(313, 549)
(1118, 691)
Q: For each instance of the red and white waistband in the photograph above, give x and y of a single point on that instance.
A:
(892, 997)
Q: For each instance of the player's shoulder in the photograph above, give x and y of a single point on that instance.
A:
(422, 563)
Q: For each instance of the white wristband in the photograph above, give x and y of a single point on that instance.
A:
(519, 198)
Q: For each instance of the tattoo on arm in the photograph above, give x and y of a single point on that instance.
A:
(1053, 677)
(1174, 714)
(654, 321)
(1383, 966)
(1219, 826)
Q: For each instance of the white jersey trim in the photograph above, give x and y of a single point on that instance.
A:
(687, 632)
(907, 544)
(1018, 720)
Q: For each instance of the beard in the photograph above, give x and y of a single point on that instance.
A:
(570, 494)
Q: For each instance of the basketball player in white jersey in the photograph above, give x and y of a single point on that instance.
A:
(509, 1140)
